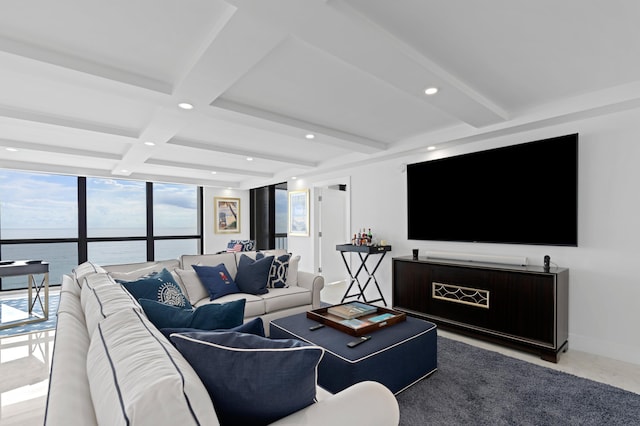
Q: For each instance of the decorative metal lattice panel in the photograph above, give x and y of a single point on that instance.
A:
(458, 294)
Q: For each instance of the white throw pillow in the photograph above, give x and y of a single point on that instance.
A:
(191, 284)
(101, 297)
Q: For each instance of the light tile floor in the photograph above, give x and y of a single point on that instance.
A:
(24, 370)
(25, 361)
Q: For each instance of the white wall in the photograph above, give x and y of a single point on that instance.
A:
(304, 246)
(216, 242)
(604, 304)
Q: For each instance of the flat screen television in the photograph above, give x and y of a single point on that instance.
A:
(519, 194)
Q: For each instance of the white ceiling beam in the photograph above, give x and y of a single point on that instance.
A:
(219, 65)
(205, 146)
(30, 146)
(78, 64)
(165, 124)
(101, 173)
(39, 118)
(51, 168)
(209, 168)
(201, 181)
(347, 140)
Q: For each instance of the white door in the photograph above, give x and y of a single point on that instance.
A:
(333, 230)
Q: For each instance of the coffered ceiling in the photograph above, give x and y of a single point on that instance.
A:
(86, 84)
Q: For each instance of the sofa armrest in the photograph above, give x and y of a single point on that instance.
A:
(365, 403)
(69, 397)
(313, 282)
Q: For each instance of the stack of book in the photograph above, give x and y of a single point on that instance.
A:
(356, 318)
(352, 310)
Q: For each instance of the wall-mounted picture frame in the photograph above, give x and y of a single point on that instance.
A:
(227, 215)
(299, 213)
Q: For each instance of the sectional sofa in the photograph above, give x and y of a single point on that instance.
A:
(112, 365)
(301, 294)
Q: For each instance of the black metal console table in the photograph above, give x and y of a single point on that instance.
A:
(367, 250)
(37, 291)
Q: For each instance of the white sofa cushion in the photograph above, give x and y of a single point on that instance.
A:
(102, 297)
(229, 260)
(84, 269)
(191, 284)
(155, 387)
(285, 298)
(292, 272)
(70, 299)
(156, 266)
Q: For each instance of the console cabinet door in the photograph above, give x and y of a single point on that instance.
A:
(411, 283)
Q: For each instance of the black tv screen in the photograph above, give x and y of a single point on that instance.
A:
(520, 194)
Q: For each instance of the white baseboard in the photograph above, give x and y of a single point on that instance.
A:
(625, 353)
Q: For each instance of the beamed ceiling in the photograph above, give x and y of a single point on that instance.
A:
(85, 84)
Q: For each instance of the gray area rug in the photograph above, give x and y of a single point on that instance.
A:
(475, 386)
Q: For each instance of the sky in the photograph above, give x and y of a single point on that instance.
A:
(41, 201)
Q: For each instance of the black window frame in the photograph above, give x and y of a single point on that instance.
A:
(263, 218)
(83, 239)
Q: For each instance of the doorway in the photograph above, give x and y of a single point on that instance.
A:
(333, 229)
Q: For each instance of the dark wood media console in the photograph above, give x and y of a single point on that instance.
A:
(519, 306)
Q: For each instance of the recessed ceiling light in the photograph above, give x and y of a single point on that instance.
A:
(12, 149)
(185, 105)
(124, 171)
(294, 177)
(431, 148)
(431, 90)
(249, 158)
(309, 136)
(150, 144)
(213, 173)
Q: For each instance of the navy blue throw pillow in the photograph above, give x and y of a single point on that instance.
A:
(220, 358)
(253, 275)
(217, 280)
(211, 316)
(159, 286)
(255, 326)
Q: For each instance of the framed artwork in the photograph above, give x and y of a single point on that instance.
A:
(227, 215)
(299, 213)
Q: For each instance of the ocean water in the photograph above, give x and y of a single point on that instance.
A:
(63, 257)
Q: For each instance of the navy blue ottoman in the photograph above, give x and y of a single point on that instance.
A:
(396, 356)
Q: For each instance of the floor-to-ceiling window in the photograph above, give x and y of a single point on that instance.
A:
(269, 206)
(38, 220)
(66, 220)
(116, 209)
(176, 213)
(281, 212)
